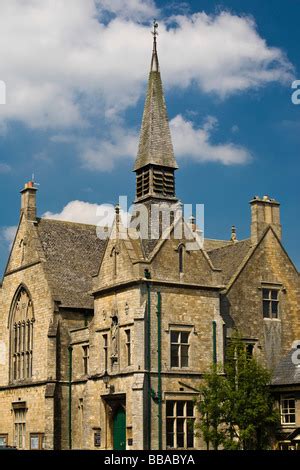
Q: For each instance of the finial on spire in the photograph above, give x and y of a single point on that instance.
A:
(154, 61)
(155, 33)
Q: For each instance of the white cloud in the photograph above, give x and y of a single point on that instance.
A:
(4, 168)
(64, 65)
(104, 154)
(8, 234)
(133, 9)
(189, 142)
(80, 211)
(195, 143)
(87, 213)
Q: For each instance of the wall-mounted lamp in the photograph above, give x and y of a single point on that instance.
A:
(106, 378)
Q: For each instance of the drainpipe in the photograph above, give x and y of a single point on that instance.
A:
(148, 355)
(214, 325)
(70, 349)
(159, 386)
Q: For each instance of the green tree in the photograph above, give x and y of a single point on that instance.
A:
(237, 411)
(211, 407)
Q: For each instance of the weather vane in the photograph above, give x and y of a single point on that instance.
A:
(155, 34)
(33, 181)
(155, 26)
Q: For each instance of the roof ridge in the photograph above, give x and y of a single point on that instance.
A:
(230, 244)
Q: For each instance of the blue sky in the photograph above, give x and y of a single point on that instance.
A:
(76, 75)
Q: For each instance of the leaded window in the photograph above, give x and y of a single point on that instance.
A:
(180, 420)
(22, 322)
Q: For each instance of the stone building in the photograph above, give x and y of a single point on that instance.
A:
(103, 342)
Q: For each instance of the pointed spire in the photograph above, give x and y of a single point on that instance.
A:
(155, 147)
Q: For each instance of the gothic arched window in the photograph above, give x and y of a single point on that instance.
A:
(21, 334)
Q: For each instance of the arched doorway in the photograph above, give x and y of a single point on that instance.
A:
(119, 429)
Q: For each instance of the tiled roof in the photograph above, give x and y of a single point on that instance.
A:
(287, 372)
(73, 253)
(155, 145)
(211, 244)
(229, 258)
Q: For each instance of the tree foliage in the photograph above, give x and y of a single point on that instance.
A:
(236, 408)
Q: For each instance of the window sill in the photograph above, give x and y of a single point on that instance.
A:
(272, 319)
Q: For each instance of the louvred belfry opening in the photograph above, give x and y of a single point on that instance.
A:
(155, 163)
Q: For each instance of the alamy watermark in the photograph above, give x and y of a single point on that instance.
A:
(2, 92)
(296, 353)
(296, 93)
(159, 220)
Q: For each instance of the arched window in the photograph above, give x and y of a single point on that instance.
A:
(21, 334)
(180, 257)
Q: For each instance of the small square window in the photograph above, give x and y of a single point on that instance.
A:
(270, 303)
(288, 410)
(180, 348)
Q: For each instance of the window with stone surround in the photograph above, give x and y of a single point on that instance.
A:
(180, 420)
(21, 336)
(37, 441)
(270, 303)
(19, 425)
(105, 351)
(288, 410)
(180, 258)
(128, 346)
(3, 440)
(179, 348)
(85, 357)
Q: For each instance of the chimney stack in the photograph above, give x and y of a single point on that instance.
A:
(28, 201)
(265, 212)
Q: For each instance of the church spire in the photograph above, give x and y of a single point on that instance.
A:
(155, 163)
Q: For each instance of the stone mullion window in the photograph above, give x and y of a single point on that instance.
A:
(180, 424)
(31, 347)
(15, 345)
(23, 353)
(28, 348)
(288, 410)
(19, 351)
(180, 348)
(21, 336)
(270, 303)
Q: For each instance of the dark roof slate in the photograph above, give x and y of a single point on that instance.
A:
(72, 256)
(287, 372)
(230, 257)
(212, 244)
(155, 146)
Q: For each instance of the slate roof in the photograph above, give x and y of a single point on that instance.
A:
(155, 145)
(212, 244)
(73, 253)
(228, 258)
(286, 372)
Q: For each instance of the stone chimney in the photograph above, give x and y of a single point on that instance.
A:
(265, 212)
(28, 201)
